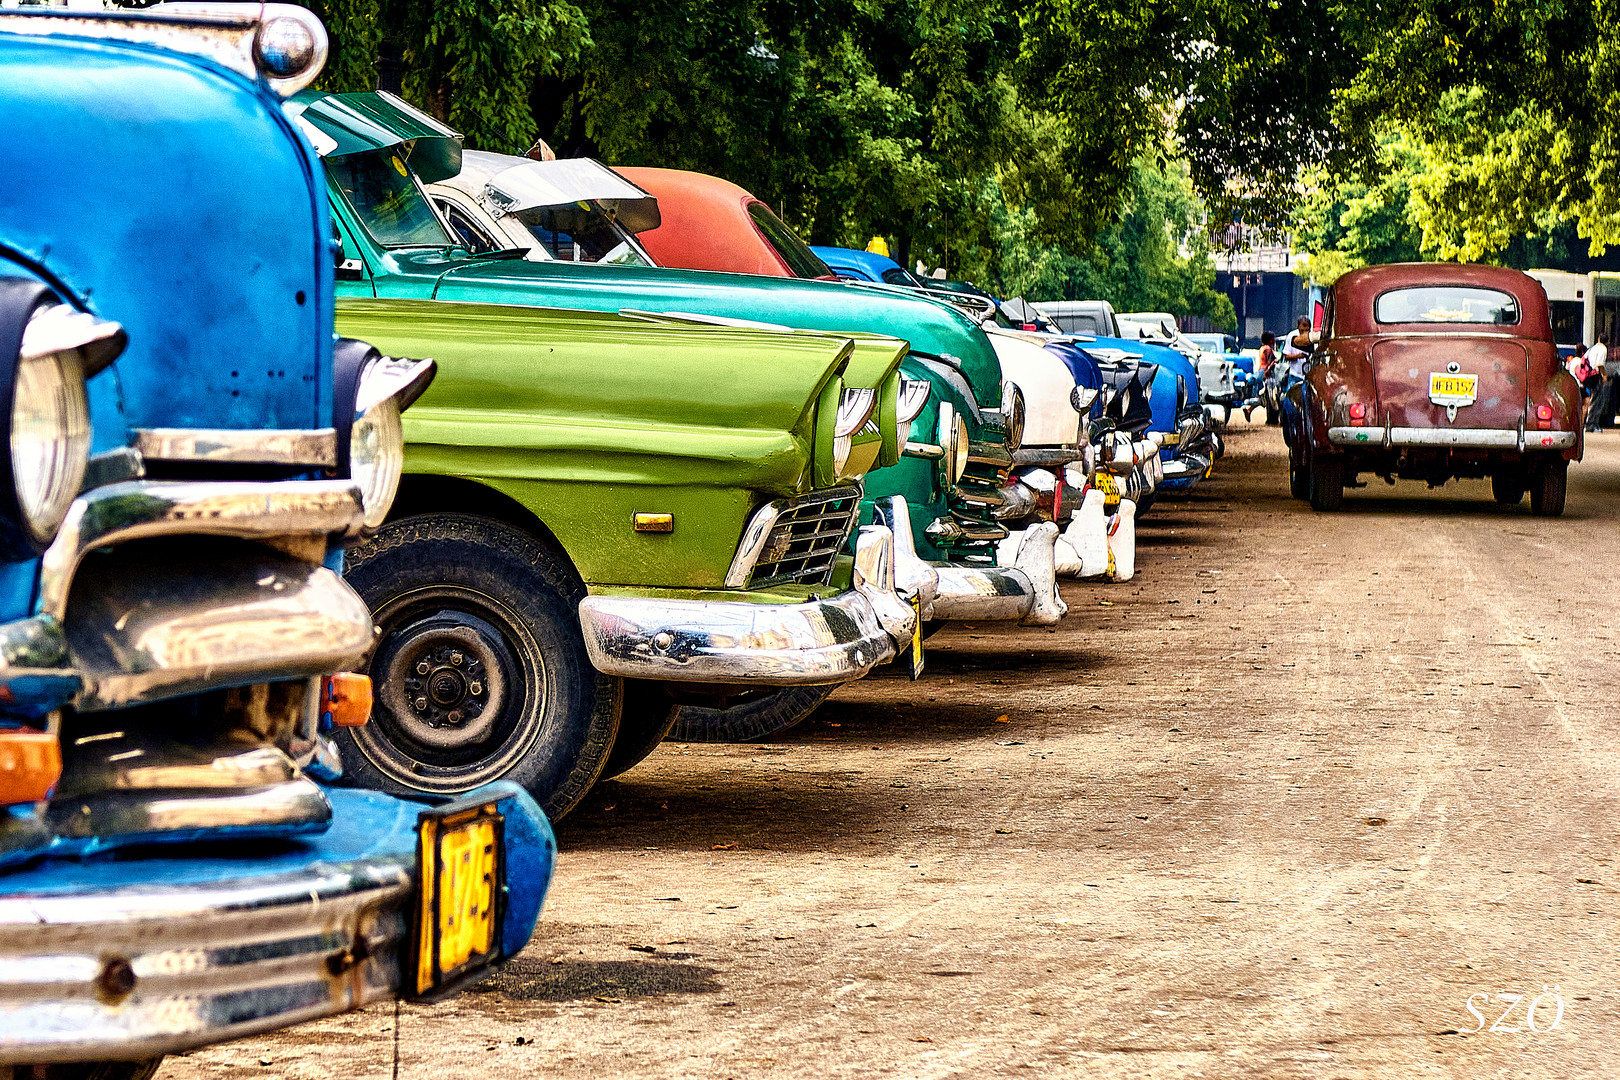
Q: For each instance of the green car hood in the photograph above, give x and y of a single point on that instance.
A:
(934, 329)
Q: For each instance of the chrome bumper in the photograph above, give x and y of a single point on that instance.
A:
(1187, 467)
(823, 641)
(1026, 591)
(1460, 438)
(148, 623)
(149, 956)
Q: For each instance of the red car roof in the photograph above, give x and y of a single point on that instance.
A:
(705, 224)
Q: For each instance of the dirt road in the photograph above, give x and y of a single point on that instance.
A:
(1285, 805)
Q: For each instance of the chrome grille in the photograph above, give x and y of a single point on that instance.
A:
(806, 537)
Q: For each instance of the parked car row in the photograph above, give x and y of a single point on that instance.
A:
(319, 633)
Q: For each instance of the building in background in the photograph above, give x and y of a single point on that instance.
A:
(1265, 291)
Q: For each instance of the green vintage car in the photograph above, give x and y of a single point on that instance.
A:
(938, 493)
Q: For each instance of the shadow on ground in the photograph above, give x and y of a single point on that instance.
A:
(527, 979)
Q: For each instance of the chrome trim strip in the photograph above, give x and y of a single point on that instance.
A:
(143, 508)
(1466, 438)
(315, 448)
(755, 533)
(210, 962)
(822, 641)
(983, 453)
(224, 33)
(924, 450)
(1047, 456)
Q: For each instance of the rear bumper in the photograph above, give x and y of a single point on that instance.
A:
(126, 959)
(1458, 438)
(824, 641)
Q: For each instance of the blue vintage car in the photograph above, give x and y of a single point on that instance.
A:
(189, 452)
(853, 265)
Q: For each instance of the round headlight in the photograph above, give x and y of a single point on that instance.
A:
(376, 459)
(50, 413)
(1013, 415)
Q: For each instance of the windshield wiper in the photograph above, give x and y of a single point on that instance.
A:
(504, 253)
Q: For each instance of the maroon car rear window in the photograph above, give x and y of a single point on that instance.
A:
(1447, 304)
(795, 252)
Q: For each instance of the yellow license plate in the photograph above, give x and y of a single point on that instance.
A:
(1453, 389)
(916, 638)
(461, 876)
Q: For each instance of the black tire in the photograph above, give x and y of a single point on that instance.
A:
(1508, 488)
(449, 586)
(1325, 475)
(1548, 486)
(649, 713)
(759, 716)
(93, 1070)
(1299, 484)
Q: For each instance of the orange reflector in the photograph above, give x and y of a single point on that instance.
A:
(30, 766)
(346, 699)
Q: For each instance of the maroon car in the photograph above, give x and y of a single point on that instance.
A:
(1429, 371)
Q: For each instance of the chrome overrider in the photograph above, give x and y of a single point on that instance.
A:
(1026, 591)
(145, 626)
(829, 640)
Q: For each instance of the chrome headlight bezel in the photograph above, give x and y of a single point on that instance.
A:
(1082, 397)
(953, 439)
(48, 351)
(856, 404)
(1014, 414)
(371, 392)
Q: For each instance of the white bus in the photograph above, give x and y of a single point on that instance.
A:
(1583, 305)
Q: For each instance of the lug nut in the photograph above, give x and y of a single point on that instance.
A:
(476, 688)
(457, 659)
(421, 704)
(455, 716)
(423, 667)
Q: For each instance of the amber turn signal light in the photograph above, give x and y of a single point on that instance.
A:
(346, 699)
(30, 765)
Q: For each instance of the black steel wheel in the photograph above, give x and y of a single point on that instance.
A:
(1507, 488)
(749, 718)
(481, 672)
(1548, 486)
(1325, 476)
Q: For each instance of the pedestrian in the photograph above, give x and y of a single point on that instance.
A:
(1611, 371)
(1600, 412)
(1268, 353)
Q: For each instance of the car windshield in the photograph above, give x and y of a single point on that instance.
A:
(795, 252)
(1447, 304)
(582, 232)
(386, 198)
(899, 275)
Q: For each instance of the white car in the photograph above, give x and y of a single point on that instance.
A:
(571, 209)
(1217, 376)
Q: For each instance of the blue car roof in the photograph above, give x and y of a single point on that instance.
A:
(868, 263)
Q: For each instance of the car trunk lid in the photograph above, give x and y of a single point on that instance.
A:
(1420, 376)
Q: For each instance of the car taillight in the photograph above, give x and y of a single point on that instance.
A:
(30, 765)
(1358, 414)
(1544, 412)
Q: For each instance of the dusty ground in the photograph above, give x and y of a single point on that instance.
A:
(1285, 805)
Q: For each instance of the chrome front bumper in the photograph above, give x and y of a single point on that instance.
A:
(129, 959)
(248, 601)
(1459, 438)
(1026, 591)
(824, 641)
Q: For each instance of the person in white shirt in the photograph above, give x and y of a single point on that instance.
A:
(1600, 413)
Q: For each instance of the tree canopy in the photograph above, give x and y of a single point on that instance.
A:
(1371, 130)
